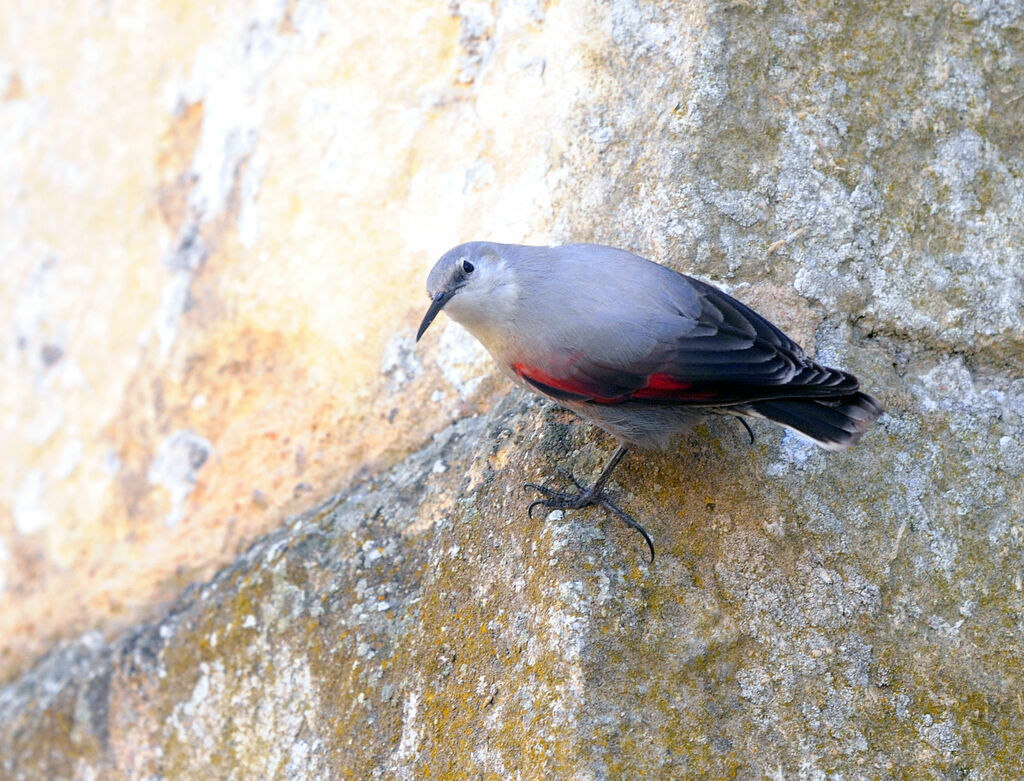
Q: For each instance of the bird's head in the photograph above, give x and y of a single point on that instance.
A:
(475, 285)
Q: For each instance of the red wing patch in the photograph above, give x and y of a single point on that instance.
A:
(659, 387)
(662, 387)
(558, 388)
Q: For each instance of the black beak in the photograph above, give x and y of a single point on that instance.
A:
(435, 306)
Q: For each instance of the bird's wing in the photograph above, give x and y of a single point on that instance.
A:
(719, 352)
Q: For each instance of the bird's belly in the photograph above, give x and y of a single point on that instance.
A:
(648, 426)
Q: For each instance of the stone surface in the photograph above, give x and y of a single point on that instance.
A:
(216, 223)
(214, 246)
(421, 624)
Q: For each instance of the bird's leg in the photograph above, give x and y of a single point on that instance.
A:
(560, 500)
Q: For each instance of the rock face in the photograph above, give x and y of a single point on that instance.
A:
(856, 173)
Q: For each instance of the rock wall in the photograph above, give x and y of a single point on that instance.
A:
(216, 228)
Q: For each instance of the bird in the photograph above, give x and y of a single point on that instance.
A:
(637, 348)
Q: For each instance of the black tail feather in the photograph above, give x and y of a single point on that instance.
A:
(835, 425)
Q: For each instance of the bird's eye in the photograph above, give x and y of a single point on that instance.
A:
(467, 267)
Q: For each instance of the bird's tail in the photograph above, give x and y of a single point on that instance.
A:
(834, 425)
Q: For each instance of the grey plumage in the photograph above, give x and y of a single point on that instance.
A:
(637, 348)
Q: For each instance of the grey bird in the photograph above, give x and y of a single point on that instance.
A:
(637, 348)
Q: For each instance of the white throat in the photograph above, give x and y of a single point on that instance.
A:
(487, 304)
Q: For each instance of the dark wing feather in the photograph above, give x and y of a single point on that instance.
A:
(726, 355)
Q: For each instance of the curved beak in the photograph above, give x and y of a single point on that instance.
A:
(436, 305)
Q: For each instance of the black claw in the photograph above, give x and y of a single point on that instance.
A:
(746, 425)
(529, 510)
(629, 521)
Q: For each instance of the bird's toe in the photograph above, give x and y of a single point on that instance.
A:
(571, 478)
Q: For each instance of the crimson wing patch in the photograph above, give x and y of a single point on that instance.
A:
(626, 387)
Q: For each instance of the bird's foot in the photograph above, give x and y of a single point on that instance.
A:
(587, 497)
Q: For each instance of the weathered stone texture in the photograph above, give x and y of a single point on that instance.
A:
(855, 171)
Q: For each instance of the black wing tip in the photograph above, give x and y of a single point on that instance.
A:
(833, 425)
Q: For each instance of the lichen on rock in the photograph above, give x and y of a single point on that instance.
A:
(855, 170)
